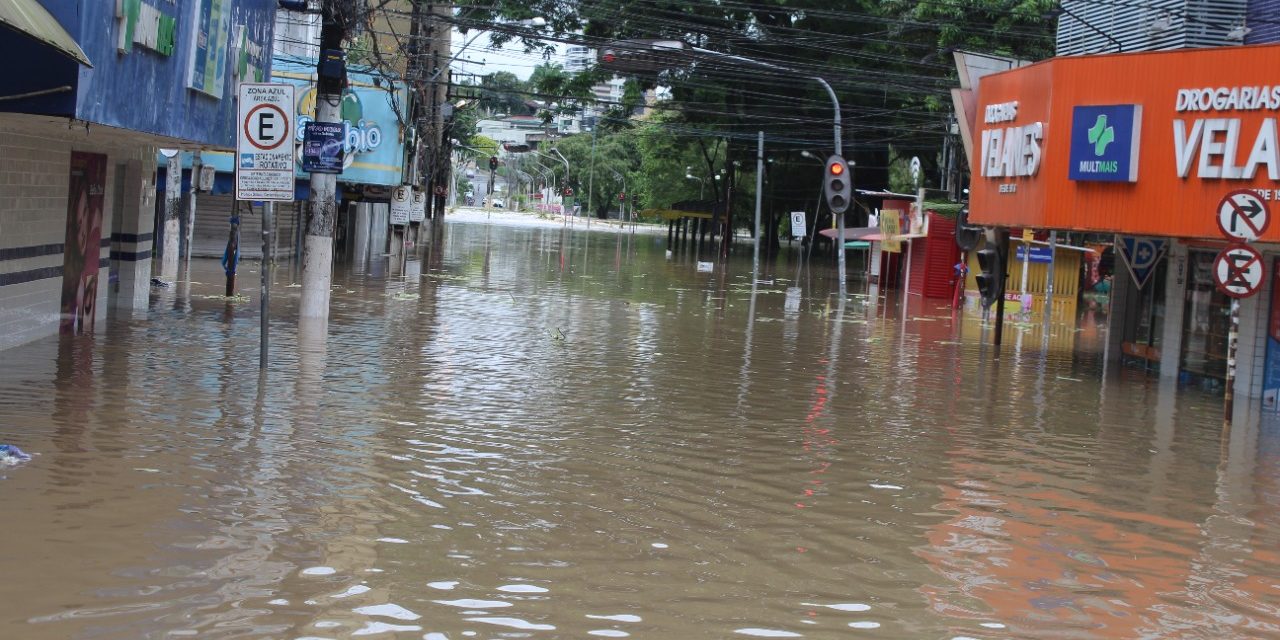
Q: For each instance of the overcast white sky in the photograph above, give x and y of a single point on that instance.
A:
(509, 58)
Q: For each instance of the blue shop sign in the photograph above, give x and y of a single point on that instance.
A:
(1105, 143)
(322, 147)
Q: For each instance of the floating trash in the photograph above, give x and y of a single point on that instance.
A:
(11, 455)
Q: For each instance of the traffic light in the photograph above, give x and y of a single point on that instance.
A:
(966, 236)
(493, 163)
(836, 184)
(991, 259)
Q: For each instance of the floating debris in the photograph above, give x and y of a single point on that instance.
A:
(235, 299)
(11, 455)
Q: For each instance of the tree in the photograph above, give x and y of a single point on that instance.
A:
(501, 92)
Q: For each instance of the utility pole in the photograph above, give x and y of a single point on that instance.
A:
(171, 248)
(190, 221)
(317, 248)
(755, 255)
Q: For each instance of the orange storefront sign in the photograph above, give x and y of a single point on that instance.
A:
(1144, 143)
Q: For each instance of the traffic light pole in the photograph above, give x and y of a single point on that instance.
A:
(1000, 316)
(755, 255)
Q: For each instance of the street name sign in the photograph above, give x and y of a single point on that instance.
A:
(264, 142)
(1238, 271)
(1243, 215)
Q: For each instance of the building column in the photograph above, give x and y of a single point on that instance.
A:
(135, 239)
(1123, 300)
(1175, 292)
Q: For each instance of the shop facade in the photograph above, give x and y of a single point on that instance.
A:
(374, 109)
(79, 127)
(1145, 147)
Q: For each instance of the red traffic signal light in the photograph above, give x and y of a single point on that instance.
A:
(836, 186)
(493, 162)
(622, 197)
(568, 191)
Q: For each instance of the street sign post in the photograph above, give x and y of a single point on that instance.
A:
(265, 170)
(1243, 216)
(264, 142)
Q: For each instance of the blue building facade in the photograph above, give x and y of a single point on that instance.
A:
(78, 199)
(162, 67)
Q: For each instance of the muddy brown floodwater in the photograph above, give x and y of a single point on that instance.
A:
(557, 434)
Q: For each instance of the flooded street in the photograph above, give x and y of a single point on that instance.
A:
(550, 433)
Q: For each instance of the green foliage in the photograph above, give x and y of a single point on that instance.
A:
(616, 155)
(888, 61)
(484, 145)
(502, 92)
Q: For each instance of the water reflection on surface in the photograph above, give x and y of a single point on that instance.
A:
(550, 433)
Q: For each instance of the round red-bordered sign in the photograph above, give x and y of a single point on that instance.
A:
(1238, 271)
(284, 122)
(1243, 215)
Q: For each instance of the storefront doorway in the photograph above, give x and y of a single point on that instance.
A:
(1205, 322)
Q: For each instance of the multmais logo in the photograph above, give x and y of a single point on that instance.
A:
(1101, 135)
(1104, 143)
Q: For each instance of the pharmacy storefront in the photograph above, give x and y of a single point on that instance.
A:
(1150, 147)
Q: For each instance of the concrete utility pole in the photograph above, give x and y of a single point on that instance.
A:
(317, 247)
(190, 221)
(171, 246)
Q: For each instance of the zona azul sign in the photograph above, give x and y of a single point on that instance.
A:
(1104, 143)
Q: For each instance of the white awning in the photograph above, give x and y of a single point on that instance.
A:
(30, 18)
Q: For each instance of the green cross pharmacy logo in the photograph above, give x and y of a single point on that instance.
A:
(1100, 135)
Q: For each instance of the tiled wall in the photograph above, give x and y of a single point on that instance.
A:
(35, 165)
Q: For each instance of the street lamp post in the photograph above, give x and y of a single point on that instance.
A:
(553, 173)
(688, 174)
(671, 49)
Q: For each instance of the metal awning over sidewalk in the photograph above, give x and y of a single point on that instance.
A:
(33, 20)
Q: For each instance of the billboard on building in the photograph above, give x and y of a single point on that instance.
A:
(212, 36)
(83, 247)
(1143, 143)
(372, 135)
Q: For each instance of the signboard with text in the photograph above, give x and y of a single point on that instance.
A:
(1056, 144)
(797, 224)
(401, 204)
(264, 142)
(322, 147)
(418, 206)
